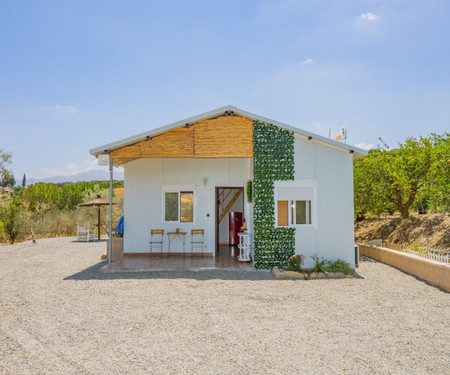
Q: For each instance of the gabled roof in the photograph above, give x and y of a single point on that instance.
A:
(229, 109)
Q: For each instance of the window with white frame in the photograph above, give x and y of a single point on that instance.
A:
(179, 206)
(295, 203)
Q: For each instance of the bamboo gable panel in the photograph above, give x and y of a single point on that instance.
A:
(222, 137)
(121, 161)
(178, 143)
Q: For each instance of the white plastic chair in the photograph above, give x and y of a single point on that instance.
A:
(84, 234)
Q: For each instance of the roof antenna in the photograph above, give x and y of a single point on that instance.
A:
(338, 134)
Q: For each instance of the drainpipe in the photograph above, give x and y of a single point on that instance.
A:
(110, 210)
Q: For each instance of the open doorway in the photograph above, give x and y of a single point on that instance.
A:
(229, 217)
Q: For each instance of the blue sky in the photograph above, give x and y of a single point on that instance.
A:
(78, 74)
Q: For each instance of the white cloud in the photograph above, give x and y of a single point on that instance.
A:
(70, 169)
(307, 61)
(365, 146)
(66, 109)
(368, 17)
(318, 125)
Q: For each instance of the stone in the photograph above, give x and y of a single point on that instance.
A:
(294, 275)
(335, 275)
(349, 276)
(317, 275)
(277, 273)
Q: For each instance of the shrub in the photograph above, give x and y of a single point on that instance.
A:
(295, 262)
(319, 263)
(12, 219)
(339, 266)
(2, 230)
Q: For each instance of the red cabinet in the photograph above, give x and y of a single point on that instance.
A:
(234, 225)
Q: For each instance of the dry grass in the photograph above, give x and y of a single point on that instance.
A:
(431, 230)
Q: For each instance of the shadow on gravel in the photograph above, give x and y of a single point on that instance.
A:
(94, 273)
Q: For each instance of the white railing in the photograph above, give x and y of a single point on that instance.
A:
(378, 243)
(422, 251)
(434, 254)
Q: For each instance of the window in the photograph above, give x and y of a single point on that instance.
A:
(298, 214)
(295, 203)
(179, 206)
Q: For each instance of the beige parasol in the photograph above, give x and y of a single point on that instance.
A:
(99, 201)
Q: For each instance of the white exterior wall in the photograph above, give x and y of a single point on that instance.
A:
(145, 181)
(333, 235)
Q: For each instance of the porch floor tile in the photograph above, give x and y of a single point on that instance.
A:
(227, 258)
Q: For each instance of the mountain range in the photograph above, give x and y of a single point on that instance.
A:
(92, 175)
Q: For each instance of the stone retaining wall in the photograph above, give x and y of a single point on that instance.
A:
(435, 273)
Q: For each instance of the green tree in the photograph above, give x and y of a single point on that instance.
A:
(6, 176)
(72, 195)
(12, 219)
(41, 196)
(406, 170)
(24, 181)
(371, 195)
(435, 193)
(386, 178)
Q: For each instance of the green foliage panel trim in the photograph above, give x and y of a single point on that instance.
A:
(273, 160)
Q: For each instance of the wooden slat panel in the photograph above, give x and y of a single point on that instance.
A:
(224, 137)
(127, 152)
(283, 214)
(121, 161)
(178, 143)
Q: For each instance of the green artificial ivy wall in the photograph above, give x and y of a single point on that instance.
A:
(273, 160)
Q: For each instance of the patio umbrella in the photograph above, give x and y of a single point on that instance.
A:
(99, 201)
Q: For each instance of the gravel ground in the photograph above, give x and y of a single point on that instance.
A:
(60, 315)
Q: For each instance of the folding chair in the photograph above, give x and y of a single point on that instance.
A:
(197, 239)
(156, 239)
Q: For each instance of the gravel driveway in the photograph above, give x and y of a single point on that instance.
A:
(60, 315)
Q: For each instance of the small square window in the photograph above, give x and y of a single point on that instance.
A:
(293, 213)
(179, 206)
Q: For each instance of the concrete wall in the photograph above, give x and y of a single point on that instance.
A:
(434, 272)
(333, 235)
(145, 180)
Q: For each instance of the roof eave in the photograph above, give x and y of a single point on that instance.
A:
(357, 152)
(154, 132)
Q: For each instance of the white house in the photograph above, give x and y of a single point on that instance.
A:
(190, 174)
